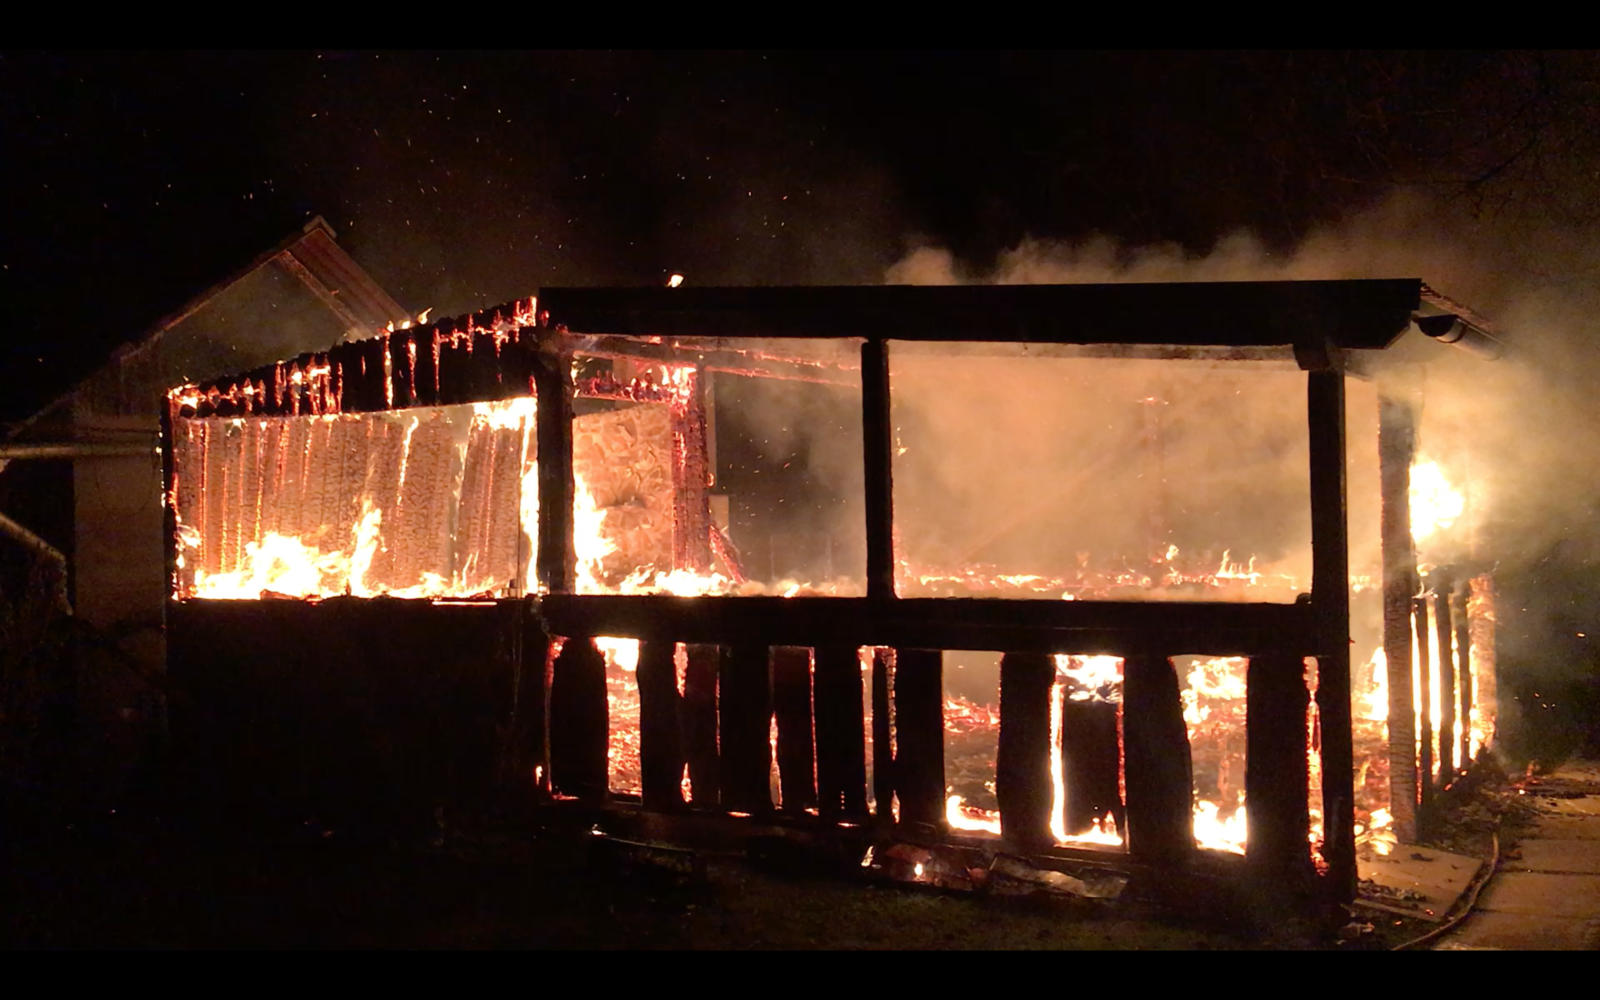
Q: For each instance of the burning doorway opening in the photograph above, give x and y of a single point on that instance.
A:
(693, 639)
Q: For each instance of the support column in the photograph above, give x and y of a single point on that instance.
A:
(1396, 451)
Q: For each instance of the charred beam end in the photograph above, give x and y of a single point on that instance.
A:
(1159, 770)
(919, 735)
(1276, 774)
(1396, 451)
(699, 725)
(579, 734)
(840, 734)
(661, 756)
(557, 562)
(1330, 601)
(791, 705)
(744, 720)
(877, 436)
(1022, 764)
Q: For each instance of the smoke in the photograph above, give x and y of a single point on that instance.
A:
(1519, 433)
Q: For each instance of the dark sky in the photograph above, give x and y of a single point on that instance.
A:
(132, 181)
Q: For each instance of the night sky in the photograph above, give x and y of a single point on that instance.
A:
(133, 181)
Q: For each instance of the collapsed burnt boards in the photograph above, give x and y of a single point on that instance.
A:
(761, 535)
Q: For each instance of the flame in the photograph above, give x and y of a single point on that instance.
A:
(1435, 505)
(961, 817)
(1377, 695)
(1215, 833)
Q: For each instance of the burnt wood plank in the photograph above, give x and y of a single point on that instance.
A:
(1464, 666)
(1022, 765)
(840, 733)
(791, 705)
(1115, 627)
(1443, 633)
(1276, 770)
(744, 720)
(1424, 658)
(1090, 764)
(883, 764)
(578, 721)
(661, 756)
(919, 735)
(700, 724)
(1159, 769)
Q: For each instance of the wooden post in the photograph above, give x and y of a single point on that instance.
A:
(1419, 618)
(919, 735)
(791, 704)
(661, 756)
(1330, 600)
(1090, 764)
(557, 562)
(744, 720)
(1443, 632)
(877, 435)
(1396, 451)
(1159, 770)
(1276, 770)
(1022, 765)
(700, 725)
(841, 741)
(883, 763)
(578, 722)
(1463, 634)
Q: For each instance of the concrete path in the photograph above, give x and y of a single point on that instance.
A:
(1549, 898)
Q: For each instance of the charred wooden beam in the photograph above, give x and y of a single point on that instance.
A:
(1160, 773)
(1022, 764)
(883, 763)
(946, 623)
(1396, 452)
(1419, 619)
(840, 735)
(877, 436)
(700, 724)
(1330, 602)
(1090, 764)
(661, 754)
(791, 705)
(579, 726)
(557, 562)
(1276, 770)
(1443, 633)
(919, 735)
(744, 720)
(1366, 314)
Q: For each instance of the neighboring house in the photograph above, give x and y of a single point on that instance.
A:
(80, 481)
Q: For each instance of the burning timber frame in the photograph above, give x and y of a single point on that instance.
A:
(735, 686)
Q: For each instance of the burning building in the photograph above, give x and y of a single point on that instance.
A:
(991, 564)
